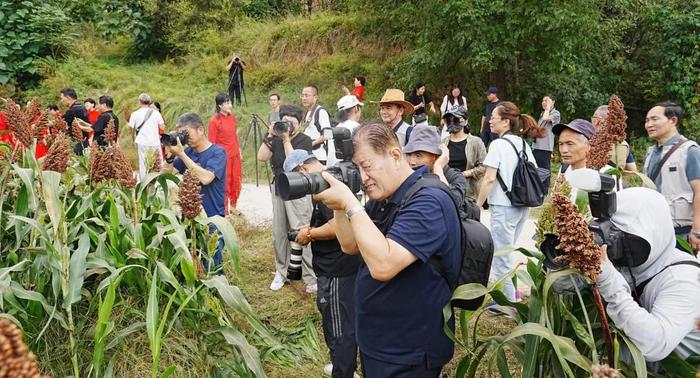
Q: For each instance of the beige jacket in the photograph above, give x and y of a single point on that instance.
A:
(475, 152)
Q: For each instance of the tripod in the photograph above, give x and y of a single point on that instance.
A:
(253, 127)
(238, 74)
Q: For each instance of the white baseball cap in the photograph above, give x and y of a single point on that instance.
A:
(348, 102)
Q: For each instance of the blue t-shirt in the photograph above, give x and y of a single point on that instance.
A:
(212, 159)
(692, 167)
(400, 321)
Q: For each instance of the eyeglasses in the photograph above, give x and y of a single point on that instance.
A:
(496, 119)
(304, 95)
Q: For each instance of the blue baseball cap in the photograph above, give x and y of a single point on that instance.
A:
(296, 159)
(491, 90)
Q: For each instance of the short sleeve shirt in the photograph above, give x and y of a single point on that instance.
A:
(546, 143)
(212, 159)
(149, 135)
(692, 167)
(414, 99)
(358, 92)
(101, 124)
(310, 129)
(502, 157)
(400, 321)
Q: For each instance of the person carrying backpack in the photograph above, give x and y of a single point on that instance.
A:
(508, 158)
(316, 119)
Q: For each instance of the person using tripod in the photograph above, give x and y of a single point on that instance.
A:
(222, 131)
(235, 70)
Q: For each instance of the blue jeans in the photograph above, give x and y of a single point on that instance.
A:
(506, 224)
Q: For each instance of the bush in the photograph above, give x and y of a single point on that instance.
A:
(30, 30)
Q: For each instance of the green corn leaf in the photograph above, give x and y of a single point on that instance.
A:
(27, 177)
(77, 270)
(103, 327)
(640, 366)
(230, 239)
(50, 187)
(152, 311)
(121, 334)
(249, 353)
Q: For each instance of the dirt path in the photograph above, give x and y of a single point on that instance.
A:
(256, 206)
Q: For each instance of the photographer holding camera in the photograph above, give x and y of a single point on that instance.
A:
(282, 139)
(399, 295)
(235, 70)
(208, 162)
(335, 271)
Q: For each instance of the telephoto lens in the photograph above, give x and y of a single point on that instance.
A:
(294, 268)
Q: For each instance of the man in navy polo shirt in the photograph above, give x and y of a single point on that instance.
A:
(208, 162)
(399, 296)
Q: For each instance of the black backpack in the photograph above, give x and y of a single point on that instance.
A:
(528, 188)
(317, 124)
(476, 246)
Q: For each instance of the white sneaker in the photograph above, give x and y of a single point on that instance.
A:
(277, 282)
(312, 288)
(328, 370)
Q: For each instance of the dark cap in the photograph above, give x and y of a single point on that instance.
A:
(491, 90)
(460, 112)
(578, 125)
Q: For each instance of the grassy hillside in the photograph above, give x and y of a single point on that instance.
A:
(282, 57)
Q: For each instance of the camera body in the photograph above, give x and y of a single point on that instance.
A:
(281, 127)
(623, 249)
(171, 139)
(293, 185)
(292, 235)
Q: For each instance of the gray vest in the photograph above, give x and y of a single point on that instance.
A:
(674, 183)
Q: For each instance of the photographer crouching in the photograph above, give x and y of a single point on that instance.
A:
(207, 161)
(335, 272)
(282, 138)
(650, 287)
(398, 294)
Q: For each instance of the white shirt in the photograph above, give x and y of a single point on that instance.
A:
(148, 136)
(348, 124)
(313, 133)
(502, 157)
(448, 106)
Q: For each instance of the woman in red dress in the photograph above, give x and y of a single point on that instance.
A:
(222, 131)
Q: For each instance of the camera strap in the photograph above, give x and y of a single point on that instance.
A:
(637, 293)
(673, 149)
(148, 115)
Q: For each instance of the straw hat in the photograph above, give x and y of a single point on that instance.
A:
(396, 97)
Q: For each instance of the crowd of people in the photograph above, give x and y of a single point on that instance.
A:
(391, 293)
(368, 261)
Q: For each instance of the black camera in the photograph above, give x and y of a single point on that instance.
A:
(281, 127)
(171, 139)
(293, 185)
(292, 235)
(623, 249)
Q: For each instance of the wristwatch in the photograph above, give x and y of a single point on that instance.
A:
(354, 210)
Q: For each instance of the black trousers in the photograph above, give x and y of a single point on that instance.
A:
(234, 91)
(372, 368)
(336, 302)
(544, 160)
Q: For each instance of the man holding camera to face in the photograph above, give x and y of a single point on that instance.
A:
(399, 293)
(282, 138)
(206, 160)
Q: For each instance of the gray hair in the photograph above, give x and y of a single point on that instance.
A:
(602, 112)
(189, 119)
(145, 99)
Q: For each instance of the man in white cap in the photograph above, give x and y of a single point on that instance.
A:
(146, 121)
(349, 115)
(392, 107)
